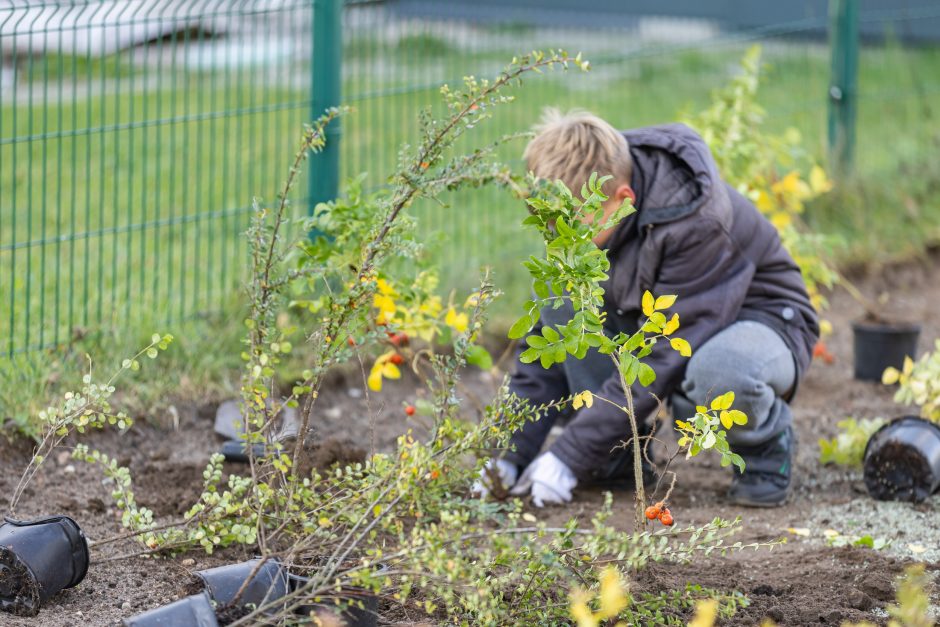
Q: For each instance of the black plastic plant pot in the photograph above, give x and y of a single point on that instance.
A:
(269, 584)
(902, 460)
(352, 607)
(879, 346)
(38, 558)
(193, 611)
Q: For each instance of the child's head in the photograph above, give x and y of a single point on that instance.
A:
(570, 146)
(573, 145)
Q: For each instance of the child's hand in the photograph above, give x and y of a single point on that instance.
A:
(549, 479)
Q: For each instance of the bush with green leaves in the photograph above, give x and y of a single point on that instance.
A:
(400, 521)
(848, 447)
(919, 383)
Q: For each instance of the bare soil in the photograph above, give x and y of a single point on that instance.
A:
(802, 582)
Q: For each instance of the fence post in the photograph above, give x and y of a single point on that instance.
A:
(843, 84)
(325, 86)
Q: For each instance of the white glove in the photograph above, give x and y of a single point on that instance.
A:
(507, 472)
(549, 479)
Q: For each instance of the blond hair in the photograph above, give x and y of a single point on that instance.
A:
(570, 146)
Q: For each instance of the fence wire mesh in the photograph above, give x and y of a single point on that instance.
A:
(135, 133)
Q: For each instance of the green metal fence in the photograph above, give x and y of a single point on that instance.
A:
(135, 133)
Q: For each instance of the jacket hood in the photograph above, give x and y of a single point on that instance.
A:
(674, 175)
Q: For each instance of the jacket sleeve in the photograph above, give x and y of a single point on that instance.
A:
(539, 386)
(702, 267)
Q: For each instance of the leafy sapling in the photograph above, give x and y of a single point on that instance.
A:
(573, 269)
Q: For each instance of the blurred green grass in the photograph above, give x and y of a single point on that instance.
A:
(139, 224)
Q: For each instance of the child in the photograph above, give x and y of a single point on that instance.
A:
(741, 302)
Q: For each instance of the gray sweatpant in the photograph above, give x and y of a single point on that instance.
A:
(748, 358)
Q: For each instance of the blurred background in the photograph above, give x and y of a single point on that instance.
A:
(134, 134)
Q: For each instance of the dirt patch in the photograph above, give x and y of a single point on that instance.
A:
(847, 584)
(803, 582)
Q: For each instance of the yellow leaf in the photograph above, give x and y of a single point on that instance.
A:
(385, 288)
(577, 402)
(580, 611)
(701, 409)
(648, 304)
(612, 596)
(724, 401)
(325, 522)
(781, 219)
(529, 517)
(672, 325)
(738, 417)
(799, 531)
(375, 378)
(588, 398)
(890, 376)
(391, 371)
(377, 510)
(680, 345)
(665, 302)
(818, 181)
(908, 365)
(825, 327)
(725, 419)
(705, 614)
(457, 321)
(764, 202)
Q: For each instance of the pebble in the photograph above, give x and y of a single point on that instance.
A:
(63, 457)
(333, 413)
(188, 562)
(354, 392)
(70, 469)
(126, 605)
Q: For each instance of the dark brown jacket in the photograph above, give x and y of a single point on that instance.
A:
(693, 236)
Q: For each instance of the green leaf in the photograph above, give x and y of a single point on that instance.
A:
(550, 334)
(738, 461)
(630, 368)
(522, 326)
(709, 440)
(541, 289)
(647, 375)
(536, 341)
(479, 357)
(529, 355)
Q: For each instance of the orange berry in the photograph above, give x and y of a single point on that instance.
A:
(397, 359)
(410, 410)
(666, 517)
(425, 165)
(435, 474)
(351, 341)
(652, 512)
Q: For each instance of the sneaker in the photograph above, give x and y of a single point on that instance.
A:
(766, 479)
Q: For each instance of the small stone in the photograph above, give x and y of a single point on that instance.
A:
(63, 458)
(188, 562)
(126, 605)
(69, 470)
(333, 413)
(354, 392)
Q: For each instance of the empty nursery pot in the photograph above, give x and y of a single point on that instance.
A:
(223, 583)
(879, 346)
(38, 558)
(193, 611)
(902, 460)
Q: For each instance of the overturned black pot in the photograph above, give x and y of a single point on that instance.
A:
(352, 607)
(193, 611)
(269, 584)
(902, 460)
(38, 558)
(879, 346)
